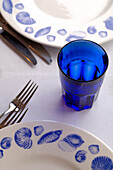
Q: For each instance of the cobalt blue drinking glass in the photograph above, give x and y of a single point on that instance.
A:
(82, 66)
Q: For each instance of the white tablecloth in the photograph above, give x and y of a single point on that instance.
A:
(47, 103)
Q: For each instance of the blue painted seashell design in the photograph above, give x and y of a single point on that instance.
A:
(103, 34)
(42, 32)
(80, 156)
(50, 137)
(62, 32)
(19, 6)
(1, 154)
(102, 163)
(24, 18)
(91, 30)
(6, 143)
(23, 138)
(109, 23)
(38, 130)
(94, 149)
(76, 35)
(70, 143)
(7, 6)
(51, 38)
(29, 30)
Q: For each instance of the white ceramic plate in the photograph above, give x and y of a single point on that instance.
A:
(52, 145)
(57, 22)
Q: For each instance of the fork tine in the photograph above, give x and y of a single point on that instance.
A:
(30, 94)
(23, 89)
(20, 117)
(26, 90)
(9, 120)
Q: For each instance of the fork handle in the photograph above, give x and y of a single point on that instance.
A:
(10, 109)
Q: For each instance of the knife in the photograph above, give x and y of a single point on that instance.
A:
(16, 44)
(36, 47)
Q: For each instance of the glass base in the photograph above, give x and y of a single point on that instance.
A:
(79, 102)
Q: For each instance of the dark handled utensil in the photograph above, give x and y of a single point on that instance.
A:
(37, 48)
(16, 44)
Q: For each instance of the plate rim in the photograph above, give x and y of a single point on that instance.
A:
(54, 44)
(79, 131)
(57, 123)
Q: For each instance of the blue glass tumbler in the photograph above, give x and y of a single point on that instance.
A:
(82, 66)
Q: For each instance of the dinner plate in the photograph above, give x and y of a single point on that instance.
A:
(57, 22)
(52, 145)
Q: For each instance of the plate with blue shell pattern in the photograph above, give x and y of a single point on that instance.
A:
(57, 22)
(52, 145)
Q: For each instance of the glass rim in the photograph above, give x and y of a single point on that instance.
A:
(82, 81)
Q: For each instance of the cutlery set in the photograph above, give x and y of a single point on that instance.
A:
(22, 44)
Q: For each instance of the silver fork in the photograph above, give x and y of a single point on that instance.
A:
(22, 99)
(13, 117)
